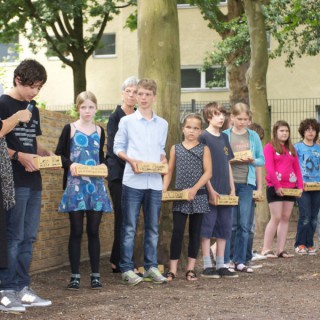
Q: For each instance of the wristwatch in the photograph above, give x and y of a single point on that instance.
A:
(15, 156)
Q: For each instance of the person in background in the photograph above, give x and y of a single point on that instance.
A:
(282, 171)
(116, 165)
(309, 204)
(81, 143)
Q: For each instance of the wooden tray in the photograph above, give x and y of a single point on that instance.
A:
(175, 195)
(47, 162)
(225, 200)
(291, 192)
(92, 171)
(311, 186)
(152, 167)
(240, 155)
(256, 198)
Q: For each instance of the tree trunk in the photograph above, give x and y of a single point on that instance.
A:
(79, 76)
(256, 79)
(159, 59)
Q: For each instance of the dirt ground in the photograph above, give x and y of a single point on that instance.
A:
(281, 289)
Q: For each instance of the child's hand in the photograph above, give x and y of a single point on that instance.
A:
(133, 164)
(259, 194)
(73, 168)
(279, 192)
(163, 159)
(26, 159)
(191, 193)
(213, 196)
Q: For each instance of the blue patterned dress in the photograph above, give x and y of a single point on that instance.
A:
(85, 193)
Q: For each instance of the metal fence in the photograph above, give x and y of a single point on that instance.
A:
(290, 110)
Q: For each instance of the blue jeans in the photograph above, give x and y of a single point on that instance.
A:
(309, 205)
(242, 213)
(251, 233)
(132, 200)
(22, 228)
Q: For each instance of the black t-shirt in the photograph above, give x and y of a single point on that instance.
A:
(22, 138)
(221, 154)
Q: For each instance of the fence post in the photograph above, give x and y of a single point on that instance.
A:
(193, 105)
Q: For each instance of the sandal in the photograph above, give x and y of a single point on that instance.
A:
(269, 254)
(169, 275)
(191, 275)
(285, 254)
(243, 268)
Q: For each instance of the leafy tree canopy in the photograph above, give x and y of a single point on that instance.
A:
(62, 26)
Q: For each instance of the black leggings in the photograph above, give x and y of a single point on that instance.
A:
(76, 230)
(179, 222)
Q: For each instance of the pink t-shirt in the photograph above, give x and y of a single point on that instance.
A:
(282, 170)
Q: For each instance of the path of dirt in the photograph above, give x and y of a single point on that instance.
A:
(281, 289)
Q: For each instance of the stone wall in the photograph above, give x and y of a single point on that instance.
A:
(51, 247)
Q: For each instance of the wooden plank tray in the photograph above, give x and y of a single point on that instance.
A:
(152, 167)
(47, 162)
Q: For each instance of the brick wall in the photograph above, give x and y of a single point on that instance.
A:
(51, 247)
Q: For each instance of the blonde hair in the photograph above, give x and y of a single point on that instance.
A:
(83, 96)
(148, 84)
(239, 108)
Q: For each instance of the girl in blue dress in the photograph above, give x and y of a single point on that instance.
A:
(81, 143)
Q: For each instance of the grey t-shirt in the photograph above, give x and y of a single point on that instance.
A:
(240, 142)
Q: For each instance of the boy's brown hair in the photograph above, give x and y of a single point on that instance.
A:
(148, 84)
(212, 108)
(28, 72)
(258, 129)
(309, 123)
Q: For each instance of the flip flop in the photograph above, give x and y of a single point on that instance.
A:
(269, 254)
(191, 275)
(244, 268)
(285, 254)
(169, 275)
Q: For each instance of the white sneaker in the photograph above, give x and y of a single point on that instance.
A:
(154, 275)
(28, 298)
(301, 249)
(257, 256)
(131, 278)
(9, 302)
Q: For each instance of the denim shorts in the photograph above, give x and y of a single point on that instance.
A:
(217, 223)
(273, 197)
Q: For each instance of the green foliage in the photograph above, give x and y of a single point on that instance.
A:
(295, 24)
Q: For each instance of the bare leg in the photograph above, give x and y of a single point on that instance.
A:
(271, 228)
(283, 226)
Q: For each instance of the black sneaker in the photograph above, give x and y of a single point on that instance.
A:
(95, 283)
(74, 284)
(210, 273)
(226, 273)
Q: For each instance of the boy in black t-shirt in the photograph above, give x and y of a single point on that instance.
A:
(217, 222)
(23, 219)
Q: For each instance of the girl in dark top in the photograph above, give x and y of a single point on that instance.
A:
(192, 161)
(81, 143)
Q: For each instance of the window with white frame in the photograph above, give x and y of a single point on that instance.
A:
(8, 51)
(106, 46)
(213, 78)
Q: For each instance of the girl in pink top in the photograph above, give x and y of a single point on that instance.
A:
(282, 171)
